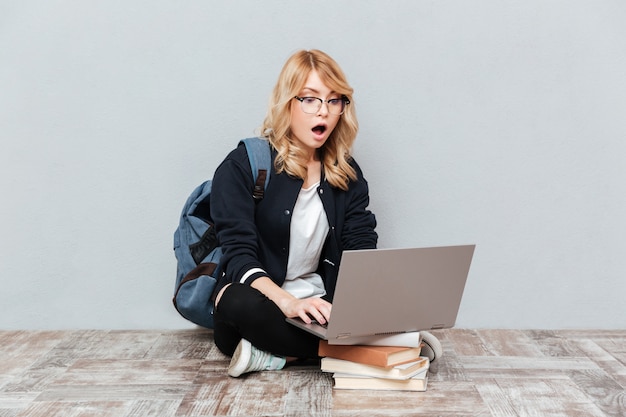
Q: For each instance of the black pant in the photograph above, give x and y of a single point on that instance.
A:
(245, 312)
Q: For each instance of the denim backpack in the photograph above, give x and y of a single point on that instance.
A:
(195, 242)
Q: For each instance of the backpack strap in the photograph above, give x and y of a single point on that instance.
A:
(261, 163)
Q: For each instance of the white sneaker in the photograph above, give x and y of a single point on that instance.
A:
(432, 347)
(247, 358)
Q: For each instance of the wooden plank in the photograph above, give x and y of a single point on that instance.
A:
(157, 408)
(496, 398)
(75, 409)
(260, 393)
(454, 399)
(522, 397)
(33, 380)
(464, 342)
(602, 389)
(527, 363)
(613, 362)
(99, 391)
(509, 343)
(19, 350)
(204, 399)
(309, 394)
(190, 344)
(131, 372)
(16, 400)
(106, 345)
(552, 344)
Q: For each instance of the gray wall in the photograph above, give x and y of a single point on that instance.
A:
(499, 123)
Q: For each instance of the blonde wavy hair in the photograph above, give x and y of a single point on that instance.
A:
(335, 155)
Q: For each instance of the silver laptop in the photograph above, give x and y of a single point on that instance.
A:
(388, 291)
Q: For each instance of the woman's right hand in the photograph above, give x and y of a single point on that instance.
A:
(307, 309)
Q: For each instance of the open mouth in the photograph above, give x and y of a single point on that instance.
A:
(319, 129)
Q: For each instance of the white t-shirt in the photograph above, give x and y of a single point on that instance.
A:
(308, 231)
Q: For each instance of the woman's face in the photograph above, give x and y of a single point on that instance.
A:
(312, 130)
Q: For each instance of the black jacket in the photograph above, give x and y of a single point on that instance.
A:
(255, 236)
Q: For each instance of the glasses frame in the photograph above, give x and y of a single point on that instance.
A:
(342, 98)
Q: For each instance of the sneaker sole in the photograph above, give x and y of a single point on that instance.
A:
(240, 359)
(434, 344)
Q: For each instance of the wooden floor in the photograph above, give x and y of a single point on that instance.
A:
(181, 373)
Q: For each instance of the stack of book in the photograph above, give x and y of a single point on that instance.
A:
(397, 368)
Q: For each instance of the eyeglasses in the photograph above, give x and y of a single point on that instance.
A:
(312, 105)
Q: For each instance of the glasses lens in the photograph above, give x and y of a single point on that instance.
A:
(311, 104)
(336, 106)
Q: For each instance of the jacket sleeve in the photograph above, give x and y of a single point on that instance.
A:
(233, 213)
(359, 225)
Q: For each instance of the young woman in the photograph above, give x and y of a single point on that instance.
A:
(281, 254)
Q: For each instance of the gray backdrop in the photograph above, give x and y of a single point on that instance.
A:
(499, 123)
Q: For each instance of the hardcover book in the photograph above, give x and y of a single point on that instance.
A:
(403, 371)
(371, 355)
(418, 382)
